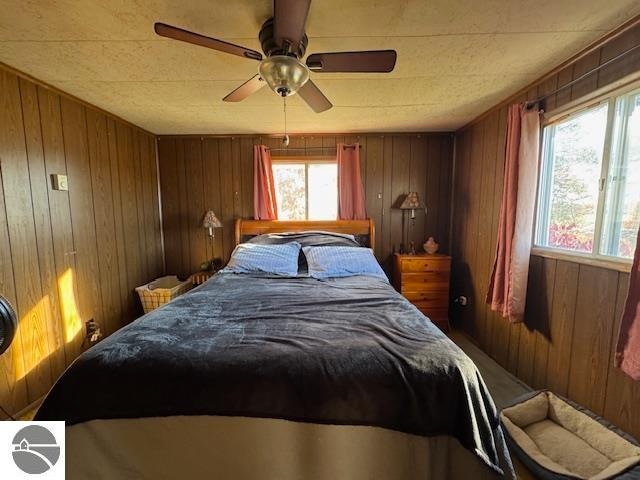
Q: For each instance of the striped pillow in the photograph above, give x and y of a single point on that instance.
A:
(328, 262)
(276, 259)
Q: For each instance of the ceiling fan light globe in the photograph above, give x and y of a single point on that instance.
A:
(284, 74)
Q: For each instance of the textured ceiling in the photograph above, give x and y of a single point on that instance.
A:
(456, 58)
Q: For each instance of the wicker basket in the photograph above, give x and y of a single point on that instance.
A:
(161, 291)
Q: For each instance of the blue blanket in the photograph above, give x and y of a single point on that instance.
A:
(340, 351)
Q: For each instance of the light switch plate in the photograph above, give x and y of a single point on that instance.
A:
(59, 182)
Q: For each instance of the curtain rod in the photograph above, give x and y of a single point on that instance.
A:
(310, 148)
(529, 103)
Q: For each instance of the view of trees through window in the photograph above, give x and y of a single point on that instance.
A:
(306, 190)
(575, 161)
(589, 199)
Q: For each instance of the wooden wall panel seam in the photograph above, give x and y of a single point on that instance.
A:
(12, 295)
(14, 391)
(84, 277)
(43, 229)
(32, 282)
(95, 227)
(32, 395)
(116, 199)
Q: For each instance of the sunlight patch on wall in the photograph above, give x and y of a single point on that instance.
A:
(32, 332)
(71, 320)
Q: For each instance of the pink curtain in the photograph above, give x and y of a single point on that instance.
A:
(351, 204)
(508, 287)
(628, 349)
(264, 191)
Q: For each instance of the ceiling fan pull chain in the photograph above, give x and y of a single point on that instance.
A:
(285, 140)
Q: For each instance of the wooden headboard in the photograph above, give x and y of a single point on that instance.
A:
(259, 227)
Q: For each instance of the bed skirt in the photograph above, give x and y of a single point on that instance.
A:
(240, 448)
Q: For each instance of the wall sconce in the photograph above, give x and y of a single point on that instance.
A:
(210, 222)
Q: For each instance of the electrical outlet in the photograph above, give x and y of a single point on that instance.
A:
(462, 301)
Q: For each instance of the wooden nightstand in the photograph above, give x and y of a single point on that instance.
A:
(424, 280)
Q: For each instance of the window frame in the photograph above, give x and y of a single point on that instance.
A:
(614, 181)
(542, 210)
(306, 160)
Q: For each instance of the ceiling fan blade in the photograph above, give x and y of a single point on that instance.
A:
(247, 88)
(290, 17)
(382, 61)
(176, 33)
(311, 94)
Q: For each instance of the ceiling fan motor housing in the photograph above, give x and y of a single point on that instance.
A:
(271, 47)
(285, 74)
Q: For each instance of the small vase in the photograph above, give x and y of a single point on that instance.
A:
(431, 246)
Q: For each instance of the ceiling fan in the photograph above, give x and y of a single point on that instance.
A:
(284, 43)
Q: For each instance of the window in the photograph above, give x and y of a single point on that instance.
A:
(589, 195)
(622, 208)
(306, 188)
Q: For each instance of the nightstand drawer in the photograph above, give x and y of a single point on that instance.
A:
(426, 295)
(432, 305)
(435, 313)
(426, 265)
(421, 280)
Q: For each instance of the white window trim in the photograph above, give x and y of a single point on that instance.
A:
(595, 258)
(612, 263)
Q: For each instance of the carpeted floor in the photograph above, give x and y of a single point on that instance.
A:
(503, 386)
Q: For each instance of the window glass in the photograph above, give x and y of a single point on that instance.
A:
(306, 191)
(622, 211)
(323, 191)
(572, 166)
(290, 190)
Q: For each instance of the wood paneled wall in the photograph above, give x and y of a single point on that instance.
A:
(216, 173)
(573, 310)
(69, 256)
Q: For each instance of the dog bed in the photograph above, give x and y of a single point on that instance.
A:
(557, 439)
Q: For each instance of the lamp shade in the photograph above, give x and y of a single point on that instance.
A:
(284, 74)
(210, 220)
(411, 202)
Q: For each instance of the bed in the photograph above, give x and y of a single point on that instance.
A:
(257, 376)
